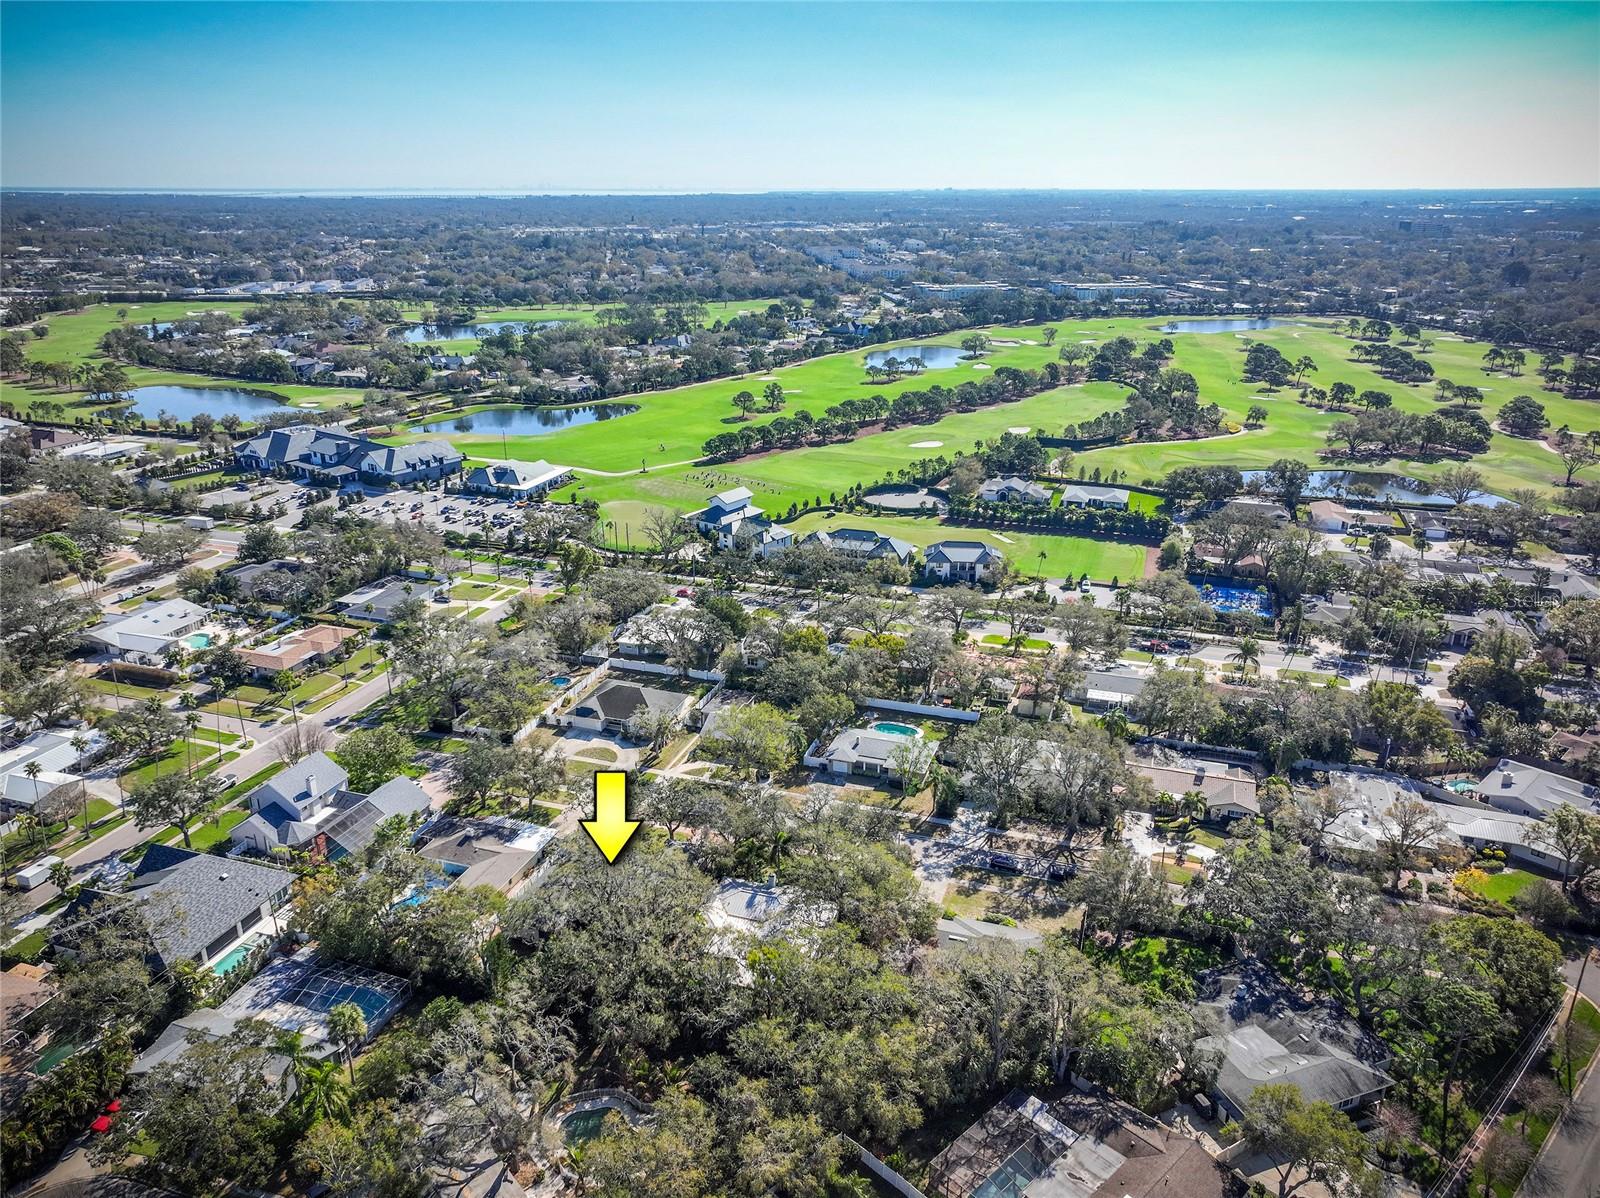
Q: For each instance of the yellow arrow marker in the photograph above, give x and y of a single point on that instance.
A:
(610, 829)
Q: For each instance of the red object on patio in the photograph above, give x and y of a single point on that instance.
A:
(101, 1125)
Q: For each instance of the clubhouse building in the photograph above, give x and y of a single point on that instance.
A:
(331, 457)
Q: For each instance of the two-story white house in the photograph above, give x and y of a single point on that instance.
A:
(961, 561)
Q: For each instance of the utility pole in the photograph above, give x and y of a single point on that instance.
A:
(1566, 1028)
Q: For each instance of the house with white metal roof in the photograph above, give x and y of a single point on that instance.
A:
(516, 480)
(145, 635)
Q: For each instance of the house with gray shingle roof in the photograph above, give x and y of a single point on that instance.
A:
(332, 456)
(198, 907)
(862, 543)
(961, 561)
(1267, 1034)
(1013, 489)
(1088, 495)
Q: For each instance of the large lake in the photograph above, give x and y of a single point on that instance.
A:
(187, 402)
(934, 357)
(1387, 488)
(526, 422)
(1223, 324)
(418, 333)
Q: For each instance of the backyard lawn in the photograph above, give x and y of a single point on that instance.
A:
(1063, 556)
(1502, 887)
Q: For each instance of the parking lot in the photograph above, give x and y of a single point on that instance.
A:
(465, 514)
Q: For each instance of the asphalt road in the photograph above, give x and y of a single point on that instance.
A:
(1569, 1163)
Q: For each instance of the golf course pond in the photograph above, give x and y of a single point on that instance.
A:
(1379, 487)
(521, 421)
(1224, 324)
(418, 333)
(188, 402)
(932, 357)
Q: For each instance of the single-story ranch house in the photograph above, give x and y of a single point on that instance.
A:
(337, 458)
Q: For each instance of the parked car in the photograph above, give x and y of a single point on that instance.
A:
(1004, 863)
(1061, 871)
(226, 780)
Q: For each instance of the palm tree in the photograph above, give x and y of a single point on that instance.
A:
(191, 723)
(33, 770)
(347, 1026)
(320, 1093)
(1247, 656)
(80, 746)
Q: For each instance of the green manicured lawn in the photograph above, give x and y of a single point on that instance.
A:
(671, 426)
(75, 338)
(1064, 556)
(472, 591)
(179, 756)
(1030, 643)
(1505, 885)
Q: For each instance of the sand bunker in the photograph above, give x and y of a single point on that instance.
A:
(767, 378)
(926, 444)
(982, 366)
(1019, 428)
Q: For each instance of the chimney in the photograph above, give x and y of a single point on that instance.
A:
(311, 785)
(1507, 777)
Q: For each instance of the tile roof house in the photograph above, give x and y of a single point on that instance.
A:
(146, 634)
(862, 543)
(336, 457)
(1082, 495)
(515, 480)
(1013, 489)
(961, 561)
(198, 906)
(294, 649)
(1266, 1034)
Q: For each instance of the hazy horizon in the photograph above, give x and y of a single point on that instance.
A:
(685, 99)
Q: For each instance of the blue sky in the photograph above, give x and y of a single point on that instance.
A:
(700, 97)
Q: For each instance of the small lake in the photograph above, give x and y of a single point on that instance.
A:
(419, 333)
(1387, 488)
(526, 422)
(934, 357)
(1224, 324)
(187, 402)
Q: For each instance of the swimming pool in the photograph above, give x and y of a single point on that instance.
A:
(890, 728)
(561, 680)
(582, 1126)
(198, 640)
(1462, 786)
(235, 956)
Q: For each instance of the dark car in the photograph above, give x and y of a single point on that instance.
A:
(1062, 871)
(1004, 863)
(1178, 642)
